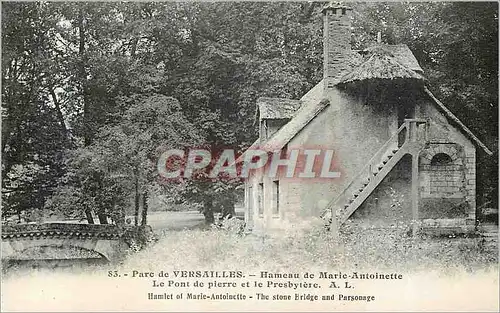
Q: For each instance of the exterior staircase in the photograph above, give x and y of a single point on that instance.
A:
(414, 132)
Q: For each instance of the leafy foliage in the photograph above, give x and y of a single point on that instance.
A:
(89, 88)
(103, 175)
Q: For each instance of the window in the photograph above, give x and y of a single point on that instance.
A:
(441, 159)
(250, 200)
(260, 199)
(276, 196)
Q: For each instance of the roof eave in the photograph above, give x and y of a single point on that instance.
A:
(345, 82)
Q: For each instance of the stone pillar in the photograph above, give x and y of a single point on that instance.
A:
(470, 185)
(414, 192)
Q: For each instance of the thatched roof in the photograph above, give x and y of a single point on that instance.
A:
(385, 62)
(380, 65)
(401, 53)
(277, 108)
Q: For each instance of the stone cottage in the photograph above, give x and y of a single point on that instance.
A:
(401, 154)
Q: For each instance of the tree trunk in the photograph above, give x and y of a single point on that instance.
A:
(144, 218)
(228, 209)
(133, 48)
(137, 197)
(118, 215)
(83, 85)
(88, 214)
(103, 218)
(83, 78)
(208, 212)
(101, 209)
(60, 116)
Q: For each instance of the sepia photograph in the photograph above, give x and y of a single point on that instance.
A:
(249, 156)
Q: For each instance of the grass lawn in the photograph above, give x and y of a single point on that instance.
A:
(440, 274)
(314, 248)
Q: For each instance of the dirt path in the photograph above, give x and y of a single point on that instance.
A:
(176, 221)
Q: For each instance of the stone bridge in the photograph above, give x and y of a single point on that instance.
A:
(62, 241)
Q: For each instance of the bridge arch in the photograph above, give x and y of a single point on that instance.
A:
(66, 241)
(111, 250)
(35, 252)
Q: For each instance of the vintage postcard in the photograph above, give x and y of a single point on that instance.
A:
(249, 156)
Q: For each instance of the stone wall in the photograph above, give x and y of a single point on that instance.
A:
(449, 190)
(442, 171)
(470, 183)
(390, 202)
(346, 121)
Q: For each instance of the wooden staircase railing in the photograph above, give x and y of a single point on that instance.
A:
(369, 177)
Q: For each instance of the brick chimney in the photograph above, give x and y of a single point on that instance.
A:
(336, 42)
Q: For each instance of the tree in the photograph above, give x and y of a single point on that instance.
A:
(34, 135)
(73, 74)
(122, 159)
(231, 54)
